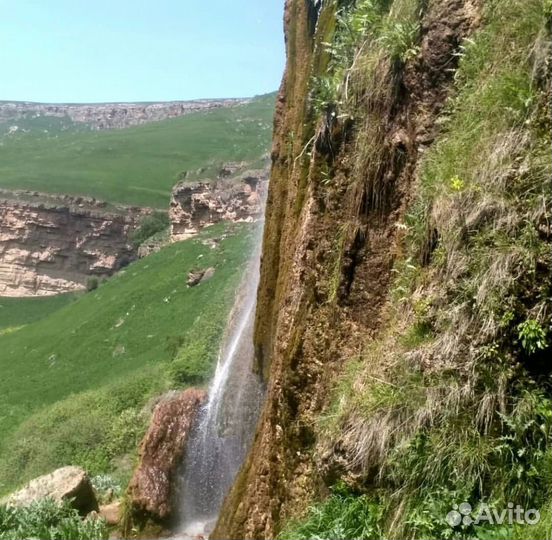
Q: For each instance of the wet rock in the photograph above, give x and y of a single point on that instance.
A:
(161, 452)
(67, 483)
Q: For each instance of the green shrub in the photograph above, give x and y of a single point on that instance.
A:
(92, 284)
(48, 520)
(342, 515)
(532, 336)
(106, 487)
(150, 225)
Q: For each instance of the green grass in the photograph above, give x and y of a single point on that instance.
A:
(138, 165)
(49, 520)
(451, 401)
(17, 312)
(75, 383)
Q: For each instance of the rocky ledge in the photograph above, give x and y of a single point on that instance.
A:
(54, 244)
(195, 205)
(110, 115)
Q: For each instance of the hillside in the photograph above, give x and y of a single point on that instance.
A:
(137, 165)
(76, 381)
(17, 312)
(403, 315)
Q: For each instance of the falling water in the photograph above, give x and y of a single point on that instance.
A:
(225, 425)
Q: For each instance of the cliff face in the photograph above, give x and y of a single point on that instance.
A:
(108, 115)
(346, 177)
(195, 205)
(50, 245)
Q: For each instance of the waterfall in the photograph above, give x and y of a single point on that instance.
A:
(225, 425)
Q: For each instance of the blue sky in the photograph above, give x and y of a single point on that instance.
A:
(139, 50)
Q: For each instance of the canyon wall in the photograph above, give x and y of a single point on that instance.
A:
(53, 244)
(110, 115)
(195, 205)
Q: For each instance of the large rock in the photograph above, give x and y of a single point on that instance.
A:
(65, 484)
(161, 453)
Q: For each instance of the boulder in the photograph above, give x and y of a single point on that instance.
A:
(199, 276)
(111, 513)
(65, 484)
(161, 453)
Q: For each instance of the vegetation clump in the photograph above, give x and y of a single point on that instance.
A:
(49, 520)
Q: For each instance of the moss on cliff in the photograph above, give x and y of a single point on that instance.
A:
(404, 306)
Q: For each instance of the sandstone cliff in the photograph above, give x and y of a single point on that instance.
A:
(53, 244)
(108, 115)
(195, 205)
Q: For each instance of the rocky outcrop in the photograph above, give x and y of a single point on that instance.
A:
(109, 115)
(53, 244)
(161, 452)
(65, 484)
(195, 205)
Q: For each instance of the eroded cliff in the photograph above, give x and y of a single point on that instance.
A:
(388, 152)
(195, 205)
(105, 115)
(53, 244)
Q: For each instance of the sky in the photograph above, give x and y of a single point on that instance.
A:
(86, 51)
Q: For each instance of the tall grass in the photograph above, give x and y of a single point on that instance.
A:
(450, 403)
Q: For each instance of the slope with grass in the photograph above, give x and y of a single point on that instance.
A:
(18, 312)
(138, 165)
(75, 383)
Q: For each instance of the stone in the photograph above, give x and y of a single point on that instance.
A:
(207, 275)
(111, 513)
(195, 277)
(162, 450)
(65, 484)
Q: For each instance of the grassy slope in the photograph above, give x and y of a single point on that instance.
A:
(451, 402)
(93, 364)
(16, 312)
(138, 165)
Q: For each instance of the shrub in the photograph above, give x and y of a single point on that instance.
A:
(92, 284)
(342, 515)
(49, 520)
(150, 225)
(532, 336)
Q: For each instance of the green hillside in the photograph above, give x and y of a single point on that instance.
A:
(16, 312)
(74, 384)
(138, 165)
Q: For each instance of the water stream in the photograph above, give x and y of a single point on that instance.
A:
(225, 425)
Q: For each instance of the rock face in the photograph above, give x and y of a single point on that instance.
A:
(195, 205)
(67, 483)
(161, 452)
(50, 244)
(329, 248)
(109, 115)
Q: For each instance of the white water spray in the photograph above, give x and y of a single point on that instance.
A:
(225, 426)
